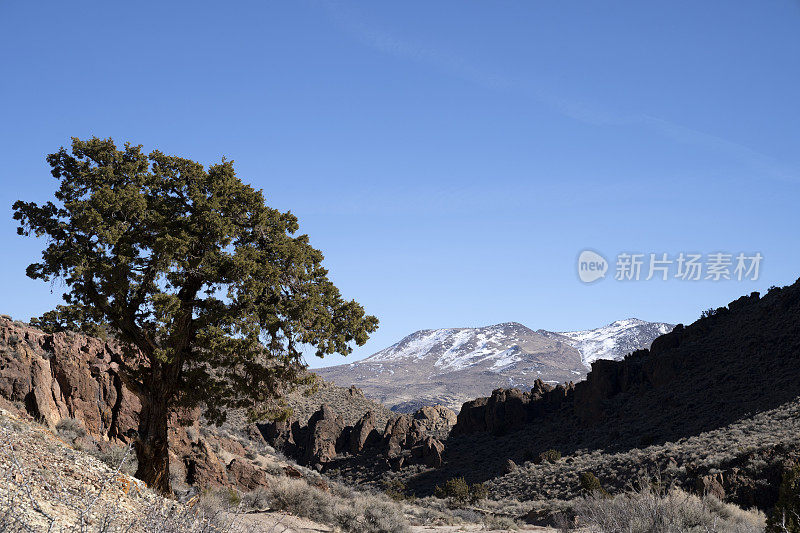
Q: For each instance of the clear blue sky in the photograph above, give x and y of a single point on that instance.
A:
(451, 159)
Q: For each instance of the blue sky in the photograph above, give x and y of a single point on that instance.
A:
(451, 159)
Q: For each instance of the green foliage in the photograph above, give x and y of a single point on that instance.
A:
(785, 516)
(455, 489)
(478, 492)
(549, 456)
(69, 318)
(395, 489)
(590, 484)
(459, 492)
(210, 290)
(708, 312)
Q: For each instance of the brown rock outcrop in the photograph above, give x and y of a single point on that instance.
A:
(70, 375)
(66, 375)
(431, 452)
(363, 434)
(436, 418)
(324, 433)
(396, 433)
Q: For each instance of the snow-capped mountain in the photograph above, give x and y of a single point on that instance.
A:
(450, 366)
(615, 340)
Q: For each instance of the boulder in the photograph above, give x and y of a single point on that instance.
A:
(396, 434)
(244, 474)
(432, 452)
(711, 484)
(203, 467)
(363, 434)
(436, 418)
(324, 433)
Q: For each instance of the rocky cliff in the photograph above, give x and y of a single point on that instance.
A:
(742, 359)
(69, 376)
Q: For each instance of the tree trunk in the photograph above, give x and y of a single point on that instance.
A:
(152, 449)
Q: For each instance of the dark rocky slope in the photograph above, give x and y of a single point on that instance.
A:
(703, 379)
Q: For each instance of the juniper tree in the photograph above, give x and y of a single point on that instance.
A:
(210, 291)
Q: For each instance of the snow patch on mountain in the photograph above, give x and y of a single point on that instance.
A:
(417, 345)
(458, 348)
(615, 340)
(506, 358)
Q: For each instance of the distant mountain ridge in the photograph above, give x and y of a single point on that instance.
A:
(452, 365)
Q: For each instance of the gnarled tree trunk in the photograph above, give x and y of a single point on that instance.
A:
(152, 448)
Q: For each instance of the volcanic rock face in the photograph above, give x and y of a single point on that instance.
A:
(436, 418)
(323, 436)
(507, 409)
(404, 440)
(449, 366)
(715, 345)
(364, 434)
(66, 376)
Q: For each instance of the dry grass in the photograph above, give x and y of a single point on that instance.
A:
(349, 510)
(651, 509)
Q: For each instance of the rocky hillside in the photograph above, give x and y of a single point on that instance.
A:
(66, 423)
(73, 377)
(48, 485)
(714, 404)
(450, 366)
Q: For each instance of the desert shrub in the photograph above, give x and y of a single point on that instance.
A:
(478, 492)
(499, 523)
(549, 456)
(300, 498)
(590, 484)
(117, 457)
(70, 430)
(467, 516)
(257, 500)
(455, 489)
(785, 516)
(353, 512)
(650, 510)
(380, 516)
(395, 489)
